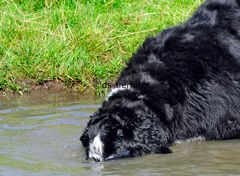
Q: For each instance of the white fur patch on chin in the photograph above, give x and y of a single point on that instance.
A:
(96, 149)
(119, 88)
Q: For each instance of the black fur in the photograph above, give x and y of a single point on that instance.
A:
(186, 83)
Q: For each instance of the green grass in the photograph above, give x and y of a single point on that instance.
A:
(84, 42)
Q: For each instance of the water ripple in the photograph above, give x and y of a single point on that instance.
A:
(13, 110)
(76, 107)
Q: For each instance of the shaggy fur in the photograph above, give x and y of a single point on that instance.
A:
(181, 84)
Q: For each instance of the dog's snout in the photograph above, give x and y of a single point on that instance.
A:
(96, 149)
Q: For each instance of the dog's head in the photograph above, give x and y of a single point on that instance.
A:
(124, 127)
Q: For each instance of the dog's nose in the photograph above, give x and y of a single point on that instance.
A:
(95, 159)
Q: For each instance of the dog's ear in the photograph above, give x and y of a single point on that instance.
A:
(163, 150)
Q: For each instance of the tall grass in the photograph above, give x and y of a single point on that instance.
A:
(77, 41)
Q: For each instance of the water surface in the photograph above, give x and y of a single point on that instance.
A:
(39, 136)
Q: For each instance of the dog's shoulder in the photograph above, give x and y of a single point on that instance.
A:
(209, 38)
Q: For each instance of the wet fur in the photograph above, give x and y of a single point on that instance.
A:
(185, 83)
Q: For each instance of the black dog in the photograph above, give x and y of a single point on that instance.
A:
(182, 84)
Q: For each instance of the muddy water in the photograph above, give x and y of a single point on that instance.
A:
(39, 136)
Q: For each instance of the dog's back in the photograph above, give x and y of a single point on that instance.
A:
(195, 67)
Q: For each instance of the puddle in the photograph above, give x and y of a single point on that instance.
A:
(39, 135)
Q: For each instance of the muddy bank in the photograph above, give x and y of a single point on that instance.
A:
(29, 87)
(52, 87)
(49, 96)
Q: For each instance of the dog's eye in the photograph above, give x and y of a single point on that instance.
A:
(96, 120)
(120, 133)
